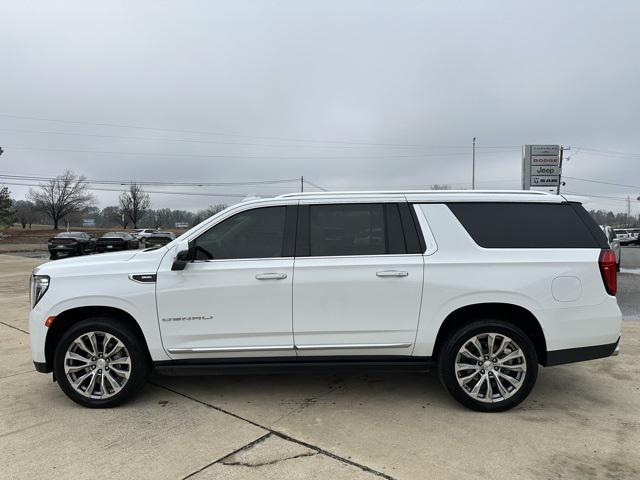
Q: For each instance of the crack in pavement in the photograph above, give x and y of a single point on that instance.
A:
(244, 447)
(16, 374)
(252, 445)
(276, 433)
(15, 328)
(272, 462)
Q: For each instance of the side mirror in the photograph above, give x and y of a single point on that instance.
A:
(183, 256)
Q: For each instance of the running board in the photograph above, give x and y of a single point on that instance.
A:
(260, 366)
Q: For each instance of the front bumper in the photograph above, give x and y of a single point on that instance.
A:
(110, 248)
(63, 249)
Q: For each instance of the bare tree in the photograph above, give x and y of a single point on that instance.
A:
(211, 210)
(61, 196)
(135, 203)
(25, 212)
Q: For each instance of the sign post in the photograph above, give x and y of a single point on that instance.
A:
(542, 168)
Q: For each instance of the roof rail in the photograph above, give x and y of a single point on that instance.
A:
(412, 192)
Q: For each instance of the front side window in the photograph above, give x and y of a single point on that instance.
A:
(355, 229)
(257, 233)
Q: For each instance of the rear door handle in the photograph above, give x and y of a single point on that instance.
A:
(392, 273)
(271, 276)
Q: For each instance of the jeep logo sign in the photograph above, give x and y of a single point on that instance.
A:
(541, 167)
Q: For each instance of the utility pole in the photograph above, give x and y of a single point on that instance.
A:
(302, 183)
(560, 170)
(562, 149)
(473, 166)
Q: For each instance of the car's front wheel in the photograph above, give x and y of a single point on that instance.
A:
(100, 362)
(488, 365)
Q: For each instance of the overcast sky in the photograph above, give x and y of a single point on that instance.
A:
(349, 94)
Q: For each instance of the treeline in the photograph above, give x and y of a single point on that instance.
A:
(615, 219)
(66, 200)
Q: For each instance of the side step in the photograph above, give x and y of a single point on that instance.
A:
(262, 366)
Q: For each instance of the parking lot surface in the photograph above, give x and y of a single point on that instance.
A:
(581, 421)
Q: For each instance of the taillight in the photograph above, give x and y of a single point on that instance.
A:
(609, 271)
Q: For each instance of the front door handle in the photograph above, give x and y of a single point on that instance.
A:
(271, 276)
(392, 273)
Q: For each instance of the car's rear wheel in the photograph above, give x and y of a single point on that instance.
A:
(488, 365)
(53, 256)
(100, 362)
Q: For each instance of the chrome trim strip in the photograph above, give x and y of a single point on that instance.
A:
(265, 348)
(351, 346)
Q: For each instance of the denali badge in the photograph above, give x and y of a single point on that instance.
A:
(180, 319)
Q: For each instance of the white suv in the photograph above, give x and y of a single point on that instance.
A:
(485, 285)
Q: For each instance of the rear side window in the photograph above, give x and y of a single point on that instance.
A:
(528, 225)
(350, 229)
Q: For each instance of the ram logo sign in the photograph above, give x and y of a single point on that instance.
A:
(541, 168)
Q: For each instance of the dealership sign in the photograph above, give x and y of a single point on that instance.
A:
(541, 167)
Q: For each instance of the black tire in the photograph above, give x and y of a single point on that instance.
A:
(140, 362)
(447, 358)
(53, 256)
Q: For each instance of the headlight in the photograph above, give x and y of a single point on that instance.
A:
(37, 288)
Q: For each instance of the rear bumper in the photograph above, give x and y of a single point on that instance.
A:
(581, 354)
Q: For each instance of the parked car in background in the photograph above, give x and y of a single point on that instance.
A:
(614, 243)
(113, 241)
(623, 236)
(453, 280)
(141, 233)
(71, 244)
(159, 239)
(634, 232)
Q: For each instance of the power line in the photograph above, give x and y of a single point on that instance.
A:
(610, 152)
(597, 196)
(223, 134)
(263, 157)
(216, 142)
(314, 185)
(604, 183)
(205, 194)
(45, 178)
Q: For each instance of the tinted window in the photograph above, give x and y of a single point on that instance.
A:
(528, 225)
(355, 229)
(257, 233)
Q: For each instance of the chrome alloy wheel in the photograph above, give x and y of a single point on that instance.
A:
(97, 365)
(490, 367)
